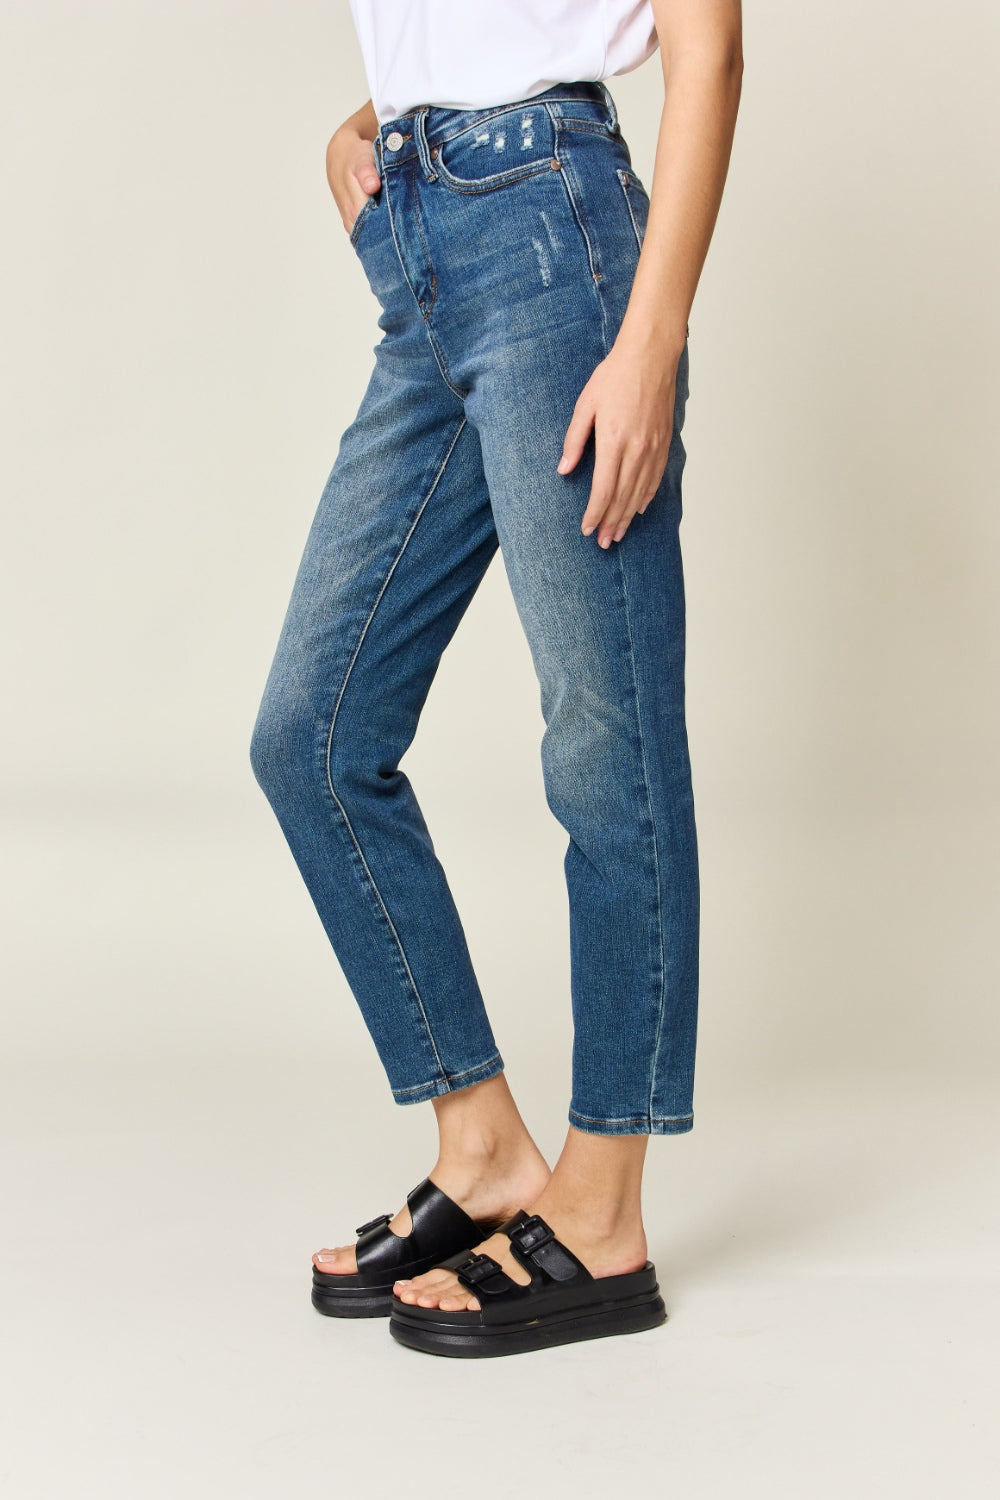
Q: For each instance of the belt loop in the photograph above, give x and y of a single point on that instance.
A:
(420, 136)
(612, 107)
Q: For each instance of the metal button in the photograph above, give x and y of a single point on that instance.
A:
(394, 140)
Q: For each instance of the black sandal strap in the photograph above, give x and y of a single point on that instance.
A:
(481, 1274)
(436, 1218)
(533, 1243)
(377, 1245)
(437, 1223)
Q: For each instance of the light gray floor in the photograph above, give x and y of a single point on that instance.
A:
(826, 1237)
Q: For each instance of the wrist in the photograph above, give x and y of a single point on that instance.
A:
(662, 337)
(364, 122)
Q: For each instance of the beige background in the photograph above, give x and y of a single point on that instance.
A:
(191, 1103)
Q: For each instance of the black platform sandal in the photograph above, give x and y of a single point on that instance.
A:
(562, 1303)
(438, 1228)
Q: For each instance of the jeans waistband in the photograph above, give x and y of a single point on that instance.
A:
(427, 123)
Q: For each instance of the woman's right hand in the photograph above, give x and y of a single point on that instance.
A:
(350, 165)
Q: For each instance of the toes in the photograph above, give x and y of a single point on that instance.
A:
(339, 1261)
(408, 1293)
(436, 1290)
(424, 1291)
(453, 1302)
(424, 1283)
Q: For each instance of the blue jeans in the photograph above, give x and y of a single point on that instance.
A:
(501, 246)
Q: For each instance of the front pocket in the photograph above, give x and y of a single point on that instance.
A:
(636, 201)
(361, 215)
(498, 149)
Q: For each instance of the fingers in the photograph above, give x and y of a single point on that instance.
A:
(622, 488)
(352, 173)
(577, 432)
(636, 488)
(367, 174)
(628, 466)
(603, 489)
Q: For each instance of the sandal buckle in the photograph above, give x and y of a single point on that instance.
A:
(531, 1235)
(373, 1223)
(477, 1268)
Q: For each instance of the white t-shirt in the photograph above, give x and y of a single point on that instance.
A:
(465, 54)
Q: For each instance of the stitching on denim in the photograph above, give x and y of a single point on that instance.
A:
(578, 122)
(572, 186)
(495, 180)
(451, 1078)
(566, 174)
(506, 109)
(625, 180)
(439, 358)
(362, 214)
(333, 720)
(629, 1119)
(419, 221)
(652, 824)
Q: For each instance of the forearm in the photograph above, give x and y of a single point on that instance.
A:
(702, 93)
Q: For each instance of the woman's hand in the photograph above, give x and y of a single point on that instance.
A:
(629, 402)
(350, 164)
(629, 399)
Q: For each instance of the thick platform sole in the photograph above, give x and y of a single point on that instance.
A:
(366, 1302)
(432, 1336)
(350, 1296)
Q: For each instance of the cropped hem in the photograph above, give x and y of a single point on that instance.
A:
(634, 1125)
(450, 1082)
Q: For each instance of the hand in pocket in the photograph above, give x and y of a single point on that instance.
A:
(351, 172)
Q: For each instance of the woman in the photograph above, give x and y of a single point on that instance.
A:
(533, 298)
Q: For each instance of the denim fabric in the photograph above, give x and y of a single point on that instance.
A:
(501, 246)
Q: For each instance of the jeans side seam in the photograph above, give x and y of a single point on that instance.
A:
(656, 846)
(572, 185)
(329, 743)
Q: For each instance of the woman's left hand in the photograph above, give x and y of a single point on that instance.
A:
(629, 402)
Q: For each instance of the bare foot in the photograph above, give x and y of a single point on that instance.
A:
(489, 1189)
(592, 1202)
(605, 1248)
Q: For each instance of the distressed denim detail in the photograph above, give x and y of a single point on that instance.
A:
(501, 247)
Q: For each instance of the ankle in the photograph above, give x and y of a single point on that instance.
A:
(481, 1130)
(474, 1159)
(597, 1186)
(596, 1215)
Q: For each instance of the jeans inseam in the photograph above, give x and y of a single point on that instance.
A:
(329, 744)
